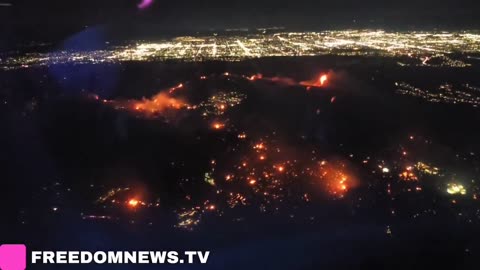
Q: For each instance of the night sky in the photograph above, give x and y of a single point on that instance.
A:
(53, 19)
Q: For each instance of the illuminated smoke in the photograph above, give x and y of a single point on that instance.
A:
(282, 80)
(149, 107)
(336, 178)
(165, 101)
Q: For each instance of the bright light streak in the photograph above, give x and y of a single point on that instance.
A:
(145, 4)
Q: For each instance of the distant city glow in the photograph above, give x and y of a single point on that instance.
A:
(434, 49)
(454, 188)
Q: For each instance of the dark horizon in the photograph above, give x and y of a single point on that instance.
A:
(56, 20)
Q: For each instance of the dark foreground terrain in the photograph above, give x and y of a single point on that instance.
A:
(260, 169)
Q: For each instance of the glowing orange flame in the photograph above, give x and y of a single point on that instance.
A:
(133, 203)
(408, 175)
(255, 77)
(157, 104)
(338, 181)
(260, 146)
(175, 88)
(218, 125)
(321, 81)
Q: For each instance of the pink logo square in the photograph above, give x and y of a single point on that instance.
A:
(13, 257)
